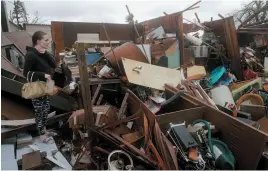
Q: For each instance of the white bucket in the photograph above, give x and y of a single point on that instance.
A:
(222, 96)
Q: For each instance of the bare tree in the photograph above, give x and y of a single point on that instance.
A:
(19, 15)
(249, 9)
(36, 19)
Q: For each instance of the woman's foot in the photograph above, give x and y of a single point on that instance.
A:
(51, 133)
(46, 139)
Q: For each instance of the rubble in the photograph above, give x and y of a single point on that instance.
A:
(173, 98)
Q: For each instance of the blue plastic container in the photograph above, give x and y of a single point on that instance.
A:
(91, 58)
(216, 74)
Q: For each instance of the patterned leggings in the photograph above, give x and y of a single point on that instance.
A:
(41, 108)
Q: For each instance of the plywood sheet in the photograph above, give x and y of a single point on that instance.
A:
(150, 75)
(15, 110)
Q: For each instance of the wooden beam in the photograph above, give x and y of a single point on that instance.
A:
(197, 17)
(253, 15)
(180, 36)
(252, 32)
(85, 88)
(222, 17)
(232, 46)
(254, 29)
(189, 9)
(190, 6)
(28, 127)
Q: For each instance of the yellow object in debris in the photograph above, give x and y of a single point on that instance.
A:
(196, 72)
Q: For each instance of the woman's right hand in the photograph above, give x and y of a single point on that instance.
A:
(47, 76)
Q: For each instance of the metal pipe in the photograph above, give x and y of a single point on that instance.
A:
(107, 36)
(136, 31)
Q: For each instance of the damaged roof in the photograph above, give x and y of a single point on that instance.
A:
(5, 41)
(8, 66)
(20, 39)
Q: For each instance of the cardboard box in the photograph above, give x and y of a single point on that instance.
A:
(104, 114)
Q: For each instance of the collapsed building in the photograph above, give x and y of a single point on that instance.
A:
(161, 94)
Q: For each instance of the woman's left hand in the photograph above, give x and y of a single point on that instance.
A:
(54, 92)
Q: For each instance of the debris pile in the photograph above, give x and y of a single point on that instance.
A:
(168, 100)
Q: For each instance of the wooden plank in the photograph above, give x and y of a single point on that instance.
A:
(96, 94)
(222, 17)
(192, 6)
(31, 160)
(256, 111)
(22, 122)
(25, 128)
(188, 115)
(232, 46)
(197, 17)
(15, 110)
(96, 81)
(84, 76)
(150, 75)
(57, 32)
(180, 36)
(263, 125)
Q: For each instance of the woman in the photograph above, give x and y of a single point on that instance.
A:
(40, 65)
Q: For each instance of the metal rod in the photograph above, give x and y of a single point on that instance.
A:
(107, 36)
(137, 31)
(197, 17)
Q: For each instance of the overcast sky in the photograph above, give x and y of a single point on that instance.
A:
(115, 11)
